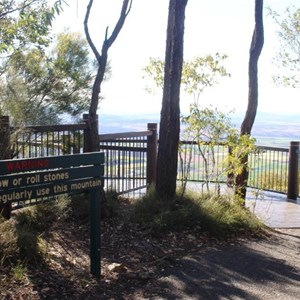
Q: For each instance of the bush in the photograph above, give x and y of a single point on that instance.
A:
(109, 206)
(21, 236)
(8, 241)
(217, 215)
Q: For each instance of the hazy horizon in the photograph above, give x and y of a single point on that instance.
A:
(269, 129)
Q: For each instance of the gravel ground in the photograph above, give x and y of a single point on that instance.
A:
(177, 266)
(256, 269)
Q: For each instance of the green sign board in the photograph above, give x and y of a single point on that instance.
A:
(26, 179)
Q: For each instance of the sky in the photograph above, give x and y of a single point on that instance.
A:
(210, 26)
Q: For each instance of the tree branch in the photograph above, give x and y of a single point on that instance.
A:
(87, 33)
(124, 13)
(20, 8)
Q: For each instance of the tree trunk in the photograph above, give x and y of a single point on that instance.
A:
(102, 62)
(170, 113)
(5, 153)
(246, 127)
(94, 142)
(93, 132)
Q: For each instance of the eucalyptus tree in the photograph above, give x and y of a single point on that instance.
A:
(24, 22)
(288, 57)
(38, 87)
(167, 159)
(201, 124)
(198, 73)
(101, 59)
(247, 124)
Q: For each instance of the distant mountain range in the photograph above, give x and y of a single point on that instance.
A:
(269, 129)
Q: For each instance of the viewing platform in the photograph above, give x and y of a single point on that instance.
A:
(274, 209)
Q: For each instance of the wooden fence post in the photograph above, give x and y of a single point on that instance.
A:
(86, 135)
(293, 175)
(5, 209)
(87, 143)
(4, 138)
(151, 154)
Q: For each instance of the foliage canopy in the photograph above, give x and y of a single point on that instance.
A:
(26, 22)
(38, 86)
(288, 57)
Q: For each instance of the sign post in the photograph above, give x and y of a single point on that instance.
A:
(95, 234)
(27, 179)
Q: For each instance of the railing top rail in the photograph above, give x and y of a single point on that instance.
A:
(273, 148)
(51, 128)
(202, 143)
(113, 136)
(269, 148)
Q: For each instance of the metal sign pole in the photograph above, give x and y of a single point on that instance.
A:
(95, 235)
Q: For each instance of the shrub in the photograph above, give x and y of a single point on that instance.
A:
(216, 215)
(21, 237)
(81, 209)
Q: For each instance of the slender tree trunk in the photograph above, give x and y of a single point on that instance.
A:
(93, 132)
(102, 62)
(246, 127)
(93, 118)
(170, 113)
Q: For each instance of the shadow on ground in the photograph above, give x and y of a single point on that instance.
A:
(252, 270)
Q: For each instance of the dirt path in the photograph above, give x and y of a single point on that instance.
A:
(264, 269)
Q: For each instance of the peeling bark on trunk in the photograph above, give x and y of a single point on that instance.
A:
(170, 113)
(246, 127)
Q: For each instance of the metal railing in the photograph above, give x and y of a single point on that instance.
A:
(126, 161)
(39, 141)
(202, 163)
(268, 169)
(126, 154)
(268, 166)
(131, 157)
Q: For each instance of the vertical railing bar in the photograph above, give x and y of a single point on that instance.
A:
(42, 144)
(280, 173)
(29, 145)
(70, 133)
(35, 144)
(260, 174)
(115, 169)
(46, 149)
(276, 176)
(132, 143)
(118, 169)
(286, 169)
(250, 168)
(143, 175)
(23, 145)
(266, 166)
(282, 168)
(275, 168)
(141, 164)
(52, 143)
(60, 144)
(274, 162)
(271, 167)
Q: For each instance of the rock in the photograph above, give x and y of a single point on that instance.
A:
(117, 268)
(191, 237)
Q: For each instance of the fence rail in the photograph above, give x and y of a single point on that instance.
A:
(269, 169)
(268, 166)
(128, 166)
(126, 161)
(131, 157)
(35, 141)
